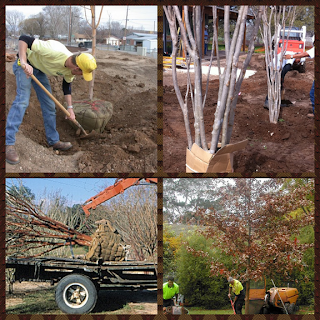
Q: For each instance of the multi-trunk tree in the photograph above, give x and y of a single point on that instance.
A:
(229, 79)
(275, 19)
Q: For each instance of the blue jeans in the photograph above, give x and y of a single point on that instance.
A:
(21, 102)
(312, 96)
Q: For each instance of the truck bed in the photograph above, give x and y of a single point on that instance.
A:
(108, 274)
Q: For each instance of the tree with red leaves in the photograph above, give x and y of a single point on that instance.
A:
(259, 227)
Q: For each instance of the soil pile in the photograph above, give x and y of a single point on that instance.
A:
(287, 146)
(128, 143)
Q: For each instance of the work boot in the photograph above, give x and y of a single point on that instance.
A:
(12, 156)
(62, 146)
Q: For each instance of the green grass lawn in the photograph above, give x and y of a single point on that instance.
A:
(196, 310)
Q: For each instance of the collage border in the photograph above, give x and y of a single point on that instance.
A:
(160, 173)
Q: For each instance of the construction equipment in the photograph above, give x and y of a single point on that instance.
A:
(275, 300)
(107, 244)
(180, 61)
(86, 135)
(283, 300)
(117, 188)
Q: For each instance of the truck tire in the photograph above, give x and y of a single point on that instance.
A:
(76, 294)
(81, 45)
(291, 309)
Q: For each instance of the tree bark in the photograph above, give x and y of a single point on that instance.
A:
(235, 60)
(221, 105)
(274, 60)
(242, 73)
(183, 105)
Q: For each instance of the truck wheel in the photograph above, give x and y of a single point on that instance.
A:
(291, 308)
(81, 45)
(76, 294)
(302, 68)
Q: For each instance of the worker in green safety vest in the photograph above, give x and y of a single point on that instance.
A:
(170, 290)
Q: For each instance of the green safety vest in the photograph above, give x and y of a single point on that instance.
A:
(169, 293)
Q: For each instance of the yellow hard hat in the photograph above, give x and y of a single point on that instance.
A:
(87, 63)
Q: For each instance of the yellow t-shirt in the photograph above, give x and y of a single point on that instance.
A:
(236, 287)
(50, 57)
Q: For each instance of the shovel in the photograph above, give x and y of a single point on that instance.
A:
(86, 135)
(234, 311)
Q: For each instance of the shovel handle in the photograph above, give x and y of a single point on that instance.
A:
(234, 311)
(53, 98)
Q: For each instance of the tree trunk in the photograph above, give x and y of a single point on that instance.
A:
(234, 67)
(272, 17)
(221, 105)
(94, 27)
(94, 32)
(246, 307)
(242, 73)
(174, 36)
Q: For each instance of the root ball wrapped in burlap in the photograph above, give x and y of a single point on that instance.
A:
(92, 114)
(107, 244)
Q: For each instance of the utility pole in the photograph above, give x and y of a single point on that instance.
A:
(69, 27)
(125, 30)
(109, 30)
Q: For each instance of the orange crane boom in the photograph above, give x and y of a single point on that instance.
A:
(112, 191)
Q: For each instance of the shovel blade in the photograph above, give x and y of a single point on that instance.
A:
(90, 135)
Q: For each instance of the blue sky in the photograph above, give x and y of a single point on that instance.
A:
(76, 190)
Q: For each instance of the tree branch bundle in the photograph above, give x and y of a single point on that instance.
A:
(30, 230)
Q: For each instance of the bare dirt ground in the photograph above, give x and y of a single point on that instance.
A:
(287, 146)
(109, 302)
(129, 143)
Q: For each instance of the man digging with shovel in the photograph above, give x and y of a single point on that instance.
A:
(237, 289)
(42, 58)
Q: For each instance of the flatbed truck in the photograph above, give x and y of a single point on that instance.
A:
(79, 281)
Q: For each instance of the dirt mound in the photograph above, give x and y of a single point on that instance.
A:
(287, 146)
(128, 143)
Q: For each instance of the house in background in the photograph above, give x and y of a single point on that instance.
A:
(113, 41)
(78, 37)
(145, 40)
